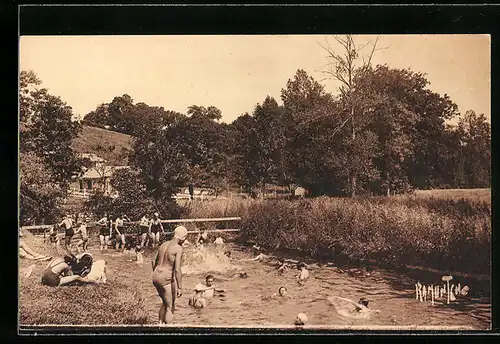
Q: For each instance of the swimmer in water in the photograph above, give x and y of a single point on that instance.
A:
(282, 267)
(167, 273)
(238, 275)
(282, 293)
(204, 292)
(260, 257)
(304, 273)
(202, 237)
(351, 309)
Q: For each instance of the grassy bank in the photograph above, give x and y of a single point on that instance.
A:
(447, 233)
(115, 303)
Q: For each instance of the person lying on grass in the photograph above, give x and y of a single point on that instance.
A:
(26, 252)
(204, 292)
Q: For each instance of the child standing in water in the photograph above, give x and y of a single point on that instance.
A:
(304, 273)
(167, 273)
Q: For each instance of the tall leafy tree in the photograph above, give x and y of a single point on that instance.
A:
(344, 66)
(475, 150)
(46, 133)
(314, 153)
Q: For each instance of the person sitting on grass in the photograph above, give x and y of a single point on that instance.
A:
(26, 252)
(58, 272)
(204, 292)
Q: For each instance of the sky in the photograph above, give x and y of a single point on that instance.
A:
(236, 72)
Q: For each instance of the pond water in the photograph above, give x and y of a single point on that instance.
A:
(249, 301)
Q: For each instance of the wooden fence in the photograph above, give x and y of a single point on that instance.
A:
(41, 229)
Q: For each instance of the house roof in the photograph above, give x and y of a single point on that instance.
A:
(101, 172)
(92, 157)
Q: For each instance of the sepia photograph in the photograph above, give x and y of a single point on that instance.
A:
(333, 182)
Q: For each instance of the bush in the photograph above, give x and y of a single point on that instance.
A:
(447, 234)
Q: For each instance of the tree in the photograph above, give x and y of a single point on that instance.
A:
(46, 133)
(41, 196)
(345, 68)
(315, 156)
(211, 112)
(116, 116)
(245, 152)
(270, 142)
(133, 198)
(475, 153)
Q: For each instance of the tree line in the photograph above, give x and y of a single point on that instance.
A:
(384, 132)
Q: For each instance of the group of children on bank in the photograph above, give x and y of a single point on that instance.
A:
(109, 231)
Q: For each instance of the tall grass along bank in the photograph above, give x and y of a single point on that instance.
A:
(442, 233)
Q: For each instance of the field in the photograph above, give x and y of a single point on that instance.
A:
(109, 145)
(440, 231)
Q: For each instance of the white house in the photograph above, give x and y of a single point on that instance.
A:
(97, 177)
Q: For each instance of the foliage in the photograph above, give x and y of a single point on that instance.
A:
(41, 196)
(409, 230)
(132, 199)
(47, 159)
(473, 158)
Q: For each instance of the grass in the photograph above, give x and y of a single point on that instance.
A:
(104, 304)
(109, 145)
(450, 231)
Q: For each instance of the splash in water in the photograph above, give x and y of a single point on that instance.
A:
(205, 259)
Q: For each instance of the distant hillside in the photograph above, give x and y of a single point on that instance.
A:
(109, 145)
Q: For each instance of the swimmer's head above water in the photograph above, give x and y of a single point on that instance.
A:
(209, 280)
(282, 291)
(301, 266)
(180, 233)
(363, 302)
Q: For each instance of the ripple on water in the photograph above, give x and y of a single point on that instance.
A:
(250, 301)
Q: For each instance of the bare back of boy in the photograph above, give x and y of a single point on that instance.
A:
(166, 272)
